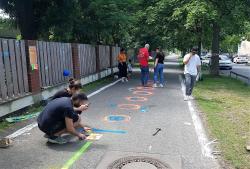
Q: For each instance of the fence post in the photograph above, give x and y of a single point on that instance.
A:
(32, 66)
(97, 61)
(76, 61)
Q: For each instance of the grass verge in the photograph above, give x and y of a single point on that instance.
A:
(38, 107)
(226, 105)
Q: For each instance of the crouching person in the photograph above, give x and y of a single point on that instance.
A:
(59, 117)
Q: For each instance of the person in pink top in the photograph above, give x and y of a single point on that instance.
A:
(143, 57)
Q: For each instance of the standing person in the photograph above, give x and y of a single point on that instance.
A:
(59, 117)
(143, 57)
(122, 59)
(158, 67)
(130, 67)
(192, 66)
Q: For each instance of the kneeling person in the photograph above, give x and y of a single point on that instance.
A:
(58, 117)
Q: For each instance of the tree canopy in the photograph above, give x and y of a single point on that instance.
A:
(172, 24)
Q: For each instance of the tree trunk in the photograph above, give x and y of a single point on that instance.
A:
(214, 66)
(26, 19)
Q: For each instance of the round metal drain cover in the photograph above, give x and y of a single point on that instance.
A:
(139, 162)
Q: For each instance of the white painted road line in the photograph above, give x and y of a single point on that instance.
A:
(33, 125)
(202, 138)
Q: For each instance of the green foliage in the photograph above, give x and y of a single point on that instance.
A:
(8, 29)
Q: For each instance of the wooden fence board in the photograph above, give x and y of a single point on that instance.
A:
(13, 66)
(24, 67)
(6, 59)
(19, 68)
(3, 86)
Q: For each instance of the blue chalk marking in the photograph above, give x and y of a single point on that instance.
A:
(113, 105)
(144, 109)
(5, 53)
(109, 131)
(116, 118)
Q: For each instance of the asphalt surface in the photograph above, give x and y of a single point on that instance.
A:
(175, 145)
(241, 69)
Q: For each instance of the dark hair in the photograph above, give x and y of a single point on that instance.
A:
(122, 50)
(194, 49)
(79, 96)
(130, 60)
(158, 48)
(74, 84)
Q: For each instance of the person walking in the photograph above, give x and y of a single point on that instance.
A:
(122, 66)
(192, 66)
(158, 68)
(143, 57)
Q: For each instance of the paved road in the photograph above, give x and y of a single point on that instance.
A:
(176, 144)
(241, 69)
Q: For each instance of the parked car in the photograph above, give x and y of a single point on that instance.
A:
(241, 59)
(225, 62)
(205, 60)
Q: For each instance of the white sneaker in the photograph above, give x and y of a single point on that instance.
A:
(154, 85)
(186, 98)
(191, 97)
(122, 80)
(126, 79)
(161, 85)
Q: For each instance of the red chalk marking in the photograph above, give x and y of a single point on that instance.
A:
(136, 99)
(129, 106)
(142, 93)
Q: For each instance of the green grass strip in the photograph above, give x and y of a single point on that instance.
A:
(76, 156)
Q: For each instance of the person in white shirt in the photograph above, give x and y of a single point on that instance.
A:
(192, 66)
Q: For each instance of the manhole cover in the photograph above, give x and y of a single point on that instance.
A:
(138, 162)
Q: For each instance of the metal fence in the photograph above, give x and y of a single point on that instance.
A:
(13, 69)
(53, 59)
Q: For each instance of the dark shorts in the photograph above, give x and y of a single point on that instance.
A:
(57, 127)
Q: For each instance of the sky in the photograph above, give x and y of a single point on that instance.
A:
(3, 15)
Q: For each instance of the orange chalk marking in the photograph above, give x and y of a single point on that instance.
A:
(129, 106)
(142, 93)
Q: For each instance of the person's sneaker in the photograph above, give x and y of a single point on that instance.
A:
(126, 79)
(186, 98)
(57, 140)
(154, 85)
(122, 80)
(161, 85)
(191, 97)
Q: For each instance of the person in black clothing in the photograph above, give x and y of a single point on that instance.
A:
(74, 87)
(158, 68)
(59, 117)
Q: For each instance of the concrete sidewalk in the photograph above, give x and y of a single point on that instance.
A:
(176, 146)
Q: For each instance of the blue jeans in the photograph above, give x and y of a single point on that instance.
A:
(159, 71)
(189, 82)
(144, 75)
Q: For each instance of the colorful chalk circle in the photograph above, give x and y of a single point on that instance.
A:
(142, 93)
(129, 106)
(66, 72)
(136, 99)
(117, 118)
